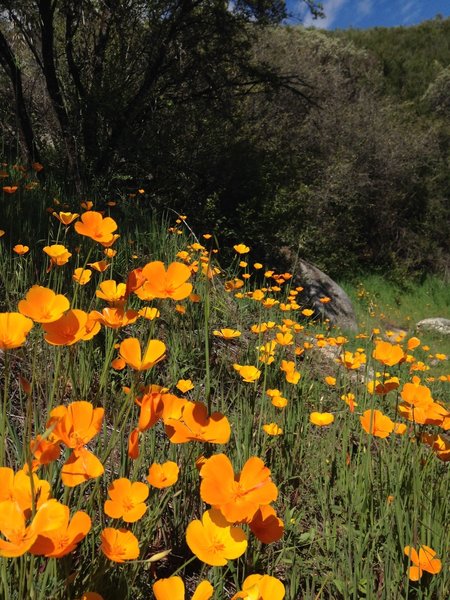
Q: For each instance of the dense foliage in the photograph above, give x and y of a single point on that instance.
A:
(334, 145)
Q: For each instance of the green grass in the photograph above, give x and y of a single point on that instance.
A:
(350, 501)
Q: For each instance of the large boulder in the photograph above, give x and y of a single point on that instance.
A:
(434, 325)
(318, 285)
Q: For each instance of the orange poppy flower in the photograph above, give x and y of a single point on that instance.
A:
(114, 293)
(388, 354)
(237, 497)
(133, 444)
(100, 265)
(413, 343)
(66, 218)
(18, 487)
(151, 409)
(162, 476)
(184, 385)
(87, 204)
(82, 276)
(261, 587)
(173, 589)
(119, 545)
(73, 326)
(227, 334)
(59, 255)
(130, 351)
(272, 429)
(20, 249)
(377, 424)
(14, 329)
(93, 225)
(63, 540)
(160, 283)
(241, 249)
(352, 361)
(42, 305)
(108, 251)
(194, 424)
(290, 372)
(20, 537)
(81, 466)
(424, 560)
(75, 425)
(91, 596)
(127, 500)
(44, 450)
(266, 526)
(248, 373)
(321, 419)
(214, 540)
(383, 388)
(114, 317)
(134, 281)
(10, 189)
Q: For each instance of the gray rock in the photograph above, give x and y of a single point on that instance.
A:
(437, 325)
(318, 285)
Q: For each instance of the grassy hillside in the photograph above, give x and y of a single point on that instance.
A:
(200, 429)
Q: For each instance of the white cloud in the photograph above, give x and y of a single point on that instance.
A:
(331, 9)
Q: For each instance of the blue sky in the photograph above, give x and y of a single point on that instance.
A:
(359, 14)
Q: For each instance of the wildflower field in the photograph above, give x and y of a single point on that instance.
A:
(172, 429)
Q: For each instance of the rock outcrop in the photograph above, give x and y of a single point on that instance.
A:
(435, 325)
(317, 285)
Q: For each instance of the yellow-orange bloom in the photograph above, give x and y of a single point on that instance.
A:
(75, 425)
(241, 249)
(162, 476)
(66, 218)
(130, 351)
(388, 354)
(424, 560)
(20, 537)
(160, 283)
(82, 276)
(114, 317)
(266, 526)
(42, 305)
(248, 373)
(20, 249)
(23, 489)
(14, 329)
(59, 255)
(93, 225)
(377, 424)
(56, 543)
(73, 326)
(185, 385)
(119, 545)
(10, 189)
(227, 334)
(173, 589)
(100, 265)
(114, 293)
(261, 587)
(214, 540)
(237, 497)
(321, 419)
(189, 421)
(272, 429)
(127, 500)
